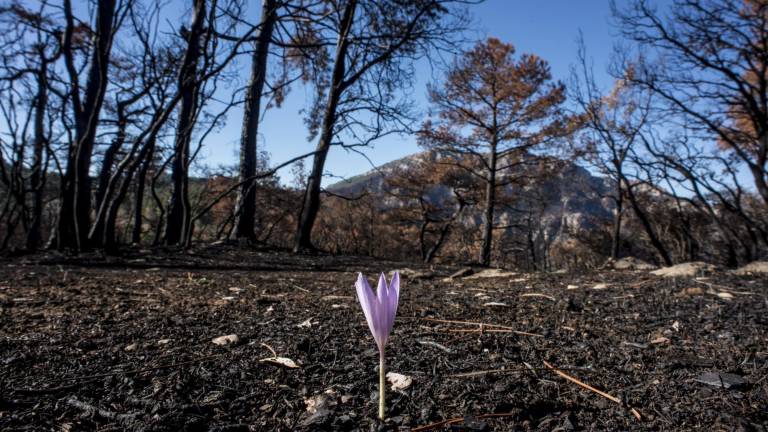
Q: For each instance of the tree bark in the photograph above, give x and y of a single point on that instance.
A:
(138, 205)
(430, 255)
(178, 219)
(488, 212)
(758, 168)
(74, 213)
(616, 237)
(104, 191)
(311, 205)
(657, 244)
(110, 219)
(245, 209)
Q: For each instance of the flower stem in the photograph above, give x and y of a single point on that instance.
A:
(382, 383)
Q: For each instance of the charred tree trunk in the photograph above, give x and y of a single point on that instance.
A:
(423, 239)
(74, 213)
(37, 178)
(657, 244)
(616, 237)
(758, 168)
(160, 209)
(490, 207)
(245, 209)
(110, 220)
(311, 205)
(138, 205)
(532, 246)
(104, 191)
(178, 219)
(444, 231)
(430, 255)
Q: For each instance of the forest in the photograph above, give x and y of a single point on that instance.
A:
(584, 250)
(104, 115)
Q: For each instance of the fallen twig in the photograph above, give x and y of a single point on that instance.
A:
(137, 371)
(274, 354)
(538, 295)
(457, 420)
(436, 345)
(483, 327)
(466, 322)
(507, 370)
(723, 288)
(92, 410)
(482, 330)
(589, 387)
(42, 391)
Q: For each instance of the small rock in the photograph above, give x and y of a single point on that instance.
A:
(399, 381)
(628, 263)
(725, 295)
(232, 339)
(691, 291)
(491, 273)
(753, 268)
(305, 324)
(164, 341)
(131, 347)
(600, 286)
(722, 380)
(725, 335)
(572, 287)
(415, 274)
(316, 403)
(212, 397)
(690, 269)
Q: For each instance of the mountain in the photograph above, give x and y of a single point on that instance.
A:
(566, 202)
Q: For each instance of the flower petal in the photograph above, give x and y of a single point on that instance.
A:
(394, 295)
(382, 324)
(369, 303)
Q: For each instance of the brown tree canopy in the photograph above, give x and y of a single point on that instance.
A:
(508, 102)
(497, 109)
(706, 59)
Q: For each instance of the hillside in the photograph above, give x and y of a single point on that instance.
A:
(569, 201)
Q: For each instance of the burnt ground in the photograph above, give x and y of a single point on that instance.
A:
(125, 343)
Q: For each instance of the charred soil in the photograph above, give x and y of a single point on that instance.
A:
(94, 343)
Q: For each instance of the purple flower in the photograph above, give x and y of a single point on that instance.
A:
(380, 307)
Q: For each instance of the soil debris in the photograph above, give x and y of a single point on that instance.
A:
(689, 269)
(66, 363)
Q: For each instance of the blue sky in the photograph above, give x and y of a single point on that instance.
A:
(548, 28)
